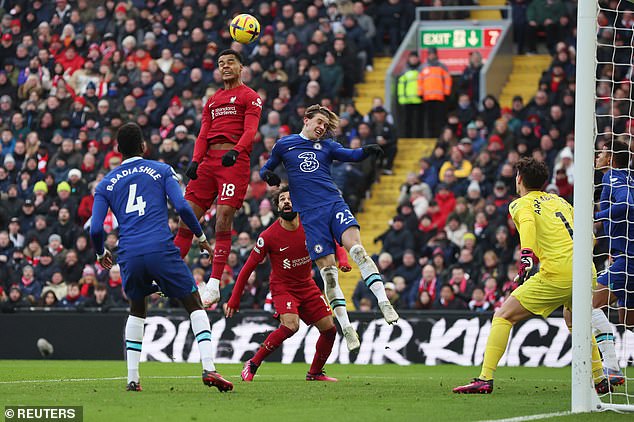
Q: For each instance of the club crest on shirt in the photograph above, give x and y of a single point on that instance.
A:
(318, 248)
(232, 100)
(317, 145)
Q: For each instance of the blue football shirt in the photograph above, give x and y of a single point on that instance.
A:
(137, 193)
(308, 166)
(617, 210)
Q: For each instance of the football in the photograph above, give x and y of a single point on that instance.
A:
(244, 28)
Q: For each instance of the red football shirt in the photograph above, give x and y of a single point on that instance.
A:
(229, 116)
(290, 262)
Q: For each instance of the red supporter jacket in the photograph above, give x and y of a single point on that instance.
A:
(229, 116)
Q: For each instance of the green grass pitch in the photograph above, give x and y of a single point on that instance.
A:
(174, 392)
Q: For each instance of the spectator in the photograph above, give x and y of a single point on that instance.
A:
(15, 300)
(100, 300)
(48, 300)
(396, 240)
(409, 270)
(544, 15)
(73, 298)
(31, 288)
(56, 284)
(478, 302)
(470, 84)
(448, 300)
(428, 283)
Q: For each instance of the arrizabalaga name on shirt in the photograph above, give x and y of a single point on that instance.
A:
(127, 172)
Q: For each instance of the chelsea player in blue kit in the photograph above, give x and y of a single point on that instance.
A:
(136, 193)
(617, 282)
(326, 217)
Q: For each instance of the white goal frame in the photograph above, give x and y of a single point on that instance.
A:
(584, 397)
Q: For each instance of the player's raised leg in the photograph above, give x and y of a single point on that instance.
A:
(202, 332)
(184, 236)
(133, 341)
(289, 324)
(323, 348)
(351, 240)
(330, 275)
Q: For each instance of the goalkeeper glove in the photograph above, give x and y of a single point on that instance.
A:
(528, 260)
(271, 178)
(373, 150)
(230, 158)
(192, 170)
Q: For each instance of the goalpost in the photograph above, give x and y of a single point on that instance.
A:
(590, 88)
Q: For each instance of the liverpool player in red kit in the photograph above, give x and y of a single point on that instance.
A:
(295, 294)
(220, 163)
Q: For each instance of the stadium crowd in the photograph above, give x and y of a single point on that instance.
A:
(71, 73)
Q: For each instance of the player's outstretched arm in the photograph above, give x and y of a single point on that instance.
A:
(233, 304)
(358, 154)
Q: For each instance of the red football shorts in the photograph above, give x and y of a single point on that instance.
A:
(308, 303)
(229, 184)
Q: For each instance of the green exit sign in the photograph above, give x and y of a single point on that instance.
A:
(451, 38)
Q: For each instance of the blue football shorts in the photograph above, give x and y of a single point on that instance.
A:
(619, 277)
(166, 268)
(325, 224)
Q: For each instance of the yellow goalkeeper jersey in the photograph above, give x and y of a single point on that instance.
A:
(545, 224)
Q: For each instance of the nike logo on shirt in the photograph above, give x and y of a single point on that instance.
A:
(283, 249)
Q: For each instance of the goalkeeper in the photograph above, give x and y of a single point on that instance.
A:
(544, 222)
(616, 212)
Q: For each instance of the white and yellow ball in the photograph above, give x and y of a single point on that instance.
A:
(244, 28)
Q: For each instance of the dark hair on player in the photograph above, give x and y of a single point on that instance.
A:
(620, 151)
(276, 198)
(534, 173)
(229, 52)
(130, 139)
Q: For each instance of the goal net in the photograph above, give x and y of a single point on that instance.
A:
(605, 47)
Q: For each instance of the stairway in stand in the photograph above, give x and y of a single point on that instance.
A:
(372, 86)
(524, 79)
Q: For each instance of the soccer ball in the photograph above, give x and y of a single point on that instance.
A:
(244, 28)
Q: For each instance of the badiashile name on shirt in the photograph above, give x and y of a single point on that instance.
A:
(127, 172)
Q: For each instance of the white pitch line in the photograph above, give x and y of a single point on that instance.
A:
(531, 417)
(97, 379)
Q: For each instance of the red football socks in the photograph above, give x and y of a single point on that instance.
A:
(322, 350)
(221, 253)
(272, 342)
(183, 240)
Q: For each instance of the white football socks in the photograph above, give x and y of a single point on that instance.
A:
(202, 332)
(604, 335)
(133, 342)
(369, 272)
(334, 294)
